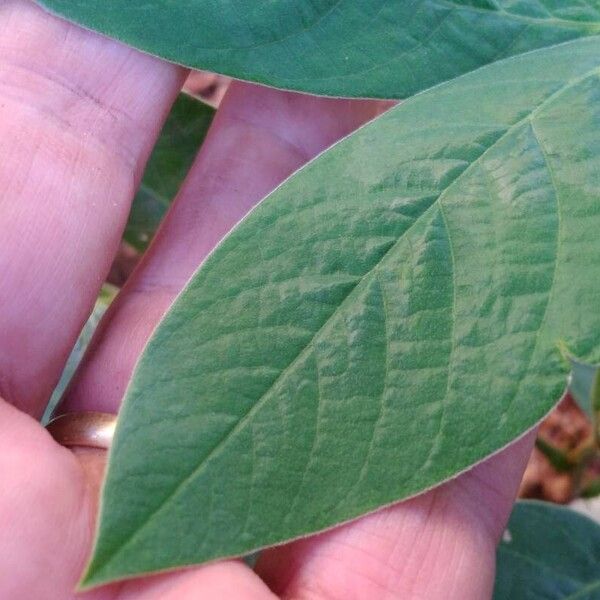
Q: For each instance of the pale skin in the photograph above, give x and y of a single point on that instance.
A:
(79, 115)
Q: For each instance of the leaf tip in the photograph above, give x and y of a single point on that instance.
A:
(96, 573)
(89, 579)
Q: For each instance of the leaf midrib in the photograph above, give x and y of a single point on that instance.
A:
(233, 430)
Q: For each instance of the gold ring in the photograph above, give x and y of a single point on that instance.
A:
(83, 429)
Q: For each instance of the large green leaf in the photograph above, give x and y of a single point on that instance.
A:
(379, 48)
(385, 319)
(173, 155)
(548, 553)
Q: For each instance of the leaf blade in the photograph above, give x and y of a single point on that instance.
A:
(417, 266)
(382, 48)
(549, 552)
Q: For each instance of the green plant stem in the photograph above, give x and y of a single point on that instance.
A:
(558, 459)
(585, 458)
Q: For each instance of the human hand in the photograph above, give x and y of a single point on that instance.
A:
(78, 117)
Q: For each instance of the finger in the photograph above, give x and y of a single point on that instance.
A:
(44, 512)
(259, 137)
(78, 117)
(438, 545)
(226, 580)
(47, 514)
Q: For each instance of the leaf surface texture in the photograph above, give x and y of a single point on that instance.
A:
(375, 48)
(385, 319)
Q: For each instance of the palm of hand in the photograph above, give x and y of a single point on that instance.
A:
(78, 118)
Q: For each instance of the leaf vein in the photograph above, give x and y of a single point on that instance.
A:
(210, 455)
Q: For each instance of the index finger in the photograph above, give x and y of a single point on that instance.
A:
(78, 117)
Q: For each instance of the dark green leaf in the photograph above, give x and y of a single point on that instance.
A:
(385, 319)
(548, 553)
(171, 159)
(378, 48)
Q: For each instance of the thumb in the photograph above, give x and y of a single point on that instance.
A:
(45, 515)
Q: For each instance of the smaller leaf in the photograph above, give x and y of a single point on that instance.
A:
(106, 296)
(584, 385)
(548, 552)
(171, 159)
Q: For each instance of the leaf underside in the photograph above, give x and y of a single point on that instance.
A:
(385, 319)
(548, 552)
(368, 48)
